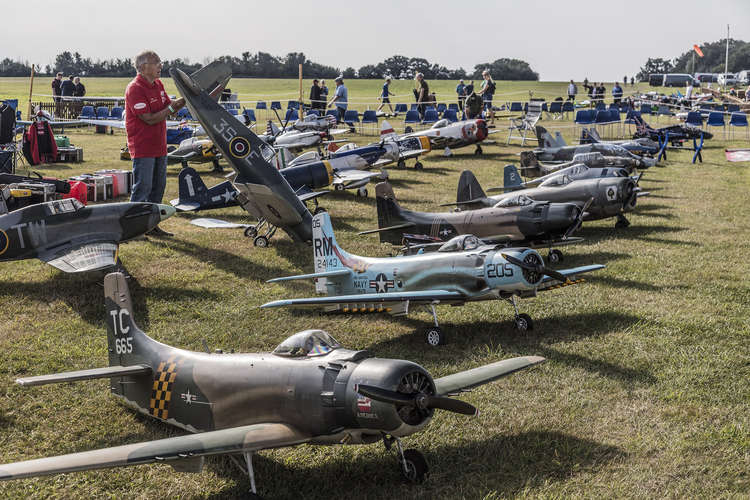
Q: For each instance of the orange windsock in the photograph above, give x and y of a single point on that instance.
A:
(698, 50)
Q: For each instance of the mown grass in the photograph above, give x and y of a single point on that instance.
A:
(645, 392)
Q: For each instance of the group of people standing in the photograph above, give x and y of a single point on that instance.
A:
(64, 90)
(486, 93)
(319, 97)
(596, 91)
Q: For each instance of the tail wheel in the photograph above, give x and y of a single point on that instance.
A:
(435, 336)
(418, 165)
(251, 232)
(555, 256)
(523, 323)
(415, 467)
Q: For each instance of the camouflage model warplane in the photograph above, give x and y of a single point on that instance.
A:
(677, 133)
(74, 238)
(462, 270)
(541, 224)
(308, 390)
(559, 152)
(195, 150)
(264, 192)
(603, 197)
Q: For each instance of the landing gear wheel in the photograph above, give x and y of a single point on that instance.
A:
(338, 187)
(319, 210)
(418, 165)
(260, 241)
(414, 467)
(523, 322)
(435, 336)
(251, 232)
(408, 130)
(362, 192)
(217, 167)
(478, 151)
(555, 256)
(401, 164)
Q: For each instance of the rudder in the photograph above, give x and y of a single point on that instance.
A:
(469, 188)
(127, 344)
(191, 186)
(389, 213)
(511, 178)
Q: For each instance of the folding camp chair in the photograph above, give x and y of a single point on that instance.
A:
(522, 126)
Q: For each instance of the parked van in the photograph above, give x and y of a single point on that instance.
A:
(678, 80)
(706, 77)
(743, 77)
(656, 79)
(726, 79)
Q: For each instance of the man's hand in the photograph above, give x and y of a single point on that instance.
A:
(178, 104)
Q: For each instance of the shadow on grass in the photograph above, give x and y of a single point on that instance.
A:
(638, 285)
(635, 232)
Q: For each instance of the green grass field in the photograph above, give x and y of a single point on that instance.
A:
(645, 393)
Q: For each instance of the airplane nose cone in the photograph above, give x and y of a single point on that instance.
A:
(166, 211)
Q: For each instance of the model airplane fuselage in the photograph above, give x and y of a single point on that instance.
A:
(454, 135)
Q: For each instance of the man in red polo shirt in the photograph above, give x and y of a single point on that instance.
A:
(147, 108)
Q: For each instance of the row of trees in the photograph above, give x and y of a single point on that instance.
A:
(711, 62)
(264, 65)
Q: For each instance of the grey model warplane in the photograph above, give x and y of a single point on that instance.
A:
(639, 146)
(75, 238)
(603, 197)
(462, 270)
(512, 178)
(297, 140)
(557, 151)
(264, 193)
(531, 167)
(309, 390)
(541, 224)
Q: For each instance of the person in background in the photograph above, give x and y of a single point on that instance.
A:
(56, 92)
(461, 93)
(147, 108)
(340, 98)
(385, 96)
(572, 91)
(617, 93)
(421, 93)
(323, 94)
(79, 89)
(67, 87)
(315, 102)
(487, 91)
(601, 90)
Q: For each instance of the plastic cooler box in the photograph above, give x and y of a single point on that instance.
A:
(78, 190)
(121, 184)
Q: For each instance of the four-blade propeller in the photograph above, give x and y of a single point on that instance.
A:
(418, 400)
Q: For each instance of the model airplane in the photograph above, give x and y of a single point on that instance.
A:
(444, 134)
(639, 146)
(603, 197)
(308, 390)
(74, 238)
(195, 150)
(462, 270)
(559, 152)
(531, 167)
(677, 133)
(539, 224)
(295, 139)
(264, 193)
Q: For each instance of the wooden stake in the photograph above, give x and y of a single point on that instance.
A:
(301, 110)
(31, 91)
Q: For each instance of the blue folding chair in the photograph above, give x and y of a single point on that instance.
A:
(116, 113)
(292, 105)
(430, 115)
(451, 115)
(733, 108)
(291, 115)
(260, 105)
(694, 118)
(738, 119)
(414, 107)
(412, 116)
(351, 116)
(568, 107)
(315, 112)
(441, 107)
(102, 113)
(400, 108)
(600, 106)
(716, 119)
(585, 117)
(249, 115)
(646, 109)
(276, 105)
(516, 107)
(556, 109)
(87, 112)
(333, 113)
(369, 116)
(453, 106)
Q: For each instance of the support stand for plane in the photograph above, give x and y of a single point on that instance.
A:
(622, 222)
(413, 464)
(435, 335)
(521, 321)
(262, 240)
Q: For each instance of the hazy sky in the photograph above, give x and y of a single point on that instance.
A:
(560, 39)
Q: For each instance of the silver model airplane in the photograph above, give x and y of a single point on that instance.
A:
(309, 390)
(462, 270)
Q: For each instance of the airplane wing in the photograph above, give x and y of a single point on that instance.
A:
(372, 298)
(263, 202)
(463, 381)
(180, 452)
(347, 177)
(549, 283)
(311, 195)
(217, 224)
(81, 258)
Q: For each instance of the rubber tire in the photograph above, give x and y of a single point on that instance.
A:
(435, 336)
(251, 232)
(362, 192)
(408, 130)
(401, 164)
(418, 165)
(338, 187)
(478, 151)
(555, 256)
(523, 323)
(260, 241)
(417, 466)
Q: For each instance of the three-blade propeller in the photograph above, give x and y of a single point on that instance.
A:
(418, 400)
(538, 267)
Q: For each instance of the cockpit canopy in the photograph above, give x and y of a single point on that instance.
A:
(441, 123)
(459, 243)
(63, 206)
(519, 200)
(558, 180)
(307, 343)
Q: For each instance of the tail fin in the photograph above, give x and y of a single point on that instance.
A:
(389, 213)
(559, 139)
(511, 178)
(386, 130)
(272, 129)
(469, 188)
(327, 254)
(213, 77)
(544, 138)
(191, 186)
(128, 345)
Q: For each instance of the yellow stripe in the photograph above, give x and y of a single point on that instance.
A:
(329, 168)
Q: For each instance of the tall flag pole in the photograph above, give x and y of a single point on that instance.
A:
(726, 60)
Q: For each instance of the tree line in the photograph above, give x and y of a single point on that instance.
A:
(711, 62)
(265, 65)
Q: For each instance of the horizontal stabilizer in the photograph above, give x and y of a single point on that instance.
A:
(217, 224)
(94, 373)
(459, 203)
(185, 206)
(478, 376)
(390, 228)
(325, 274)
(311, 195)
